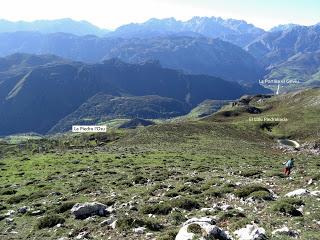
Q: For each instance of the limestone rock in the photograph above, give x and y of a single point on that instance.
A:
(298, 192)
(85, 210)
(251, 232)
(139, 230)
(208, 230)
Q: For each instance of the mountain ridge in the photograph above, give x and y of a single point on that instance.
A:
(197, 55)
(55, 90)
(66, 25)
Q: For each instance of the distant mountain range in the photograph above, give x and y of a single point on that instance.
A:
(38, 91)
(201, 45)
(66, 25)
(193, 55)
(276, 47)
(238, 32)
(197, 55)
(290, 55)
(72, 72)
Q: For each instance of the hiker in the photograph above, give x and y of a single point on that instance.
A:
(288, 166)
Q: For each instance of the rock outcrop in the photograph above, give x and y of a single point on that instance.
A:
(204, 228)
(85, 210)
(251, 232)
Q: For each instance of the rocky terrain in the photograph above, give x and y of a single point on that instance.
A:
(218, 177)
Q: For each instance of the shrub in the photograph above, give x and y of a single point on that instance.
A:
(159, 209)
(172, 194)
(261, 195)
(65, 207)
(170, 235)
(190, 189)
(250, 173)
(127, 223)
(2, 207)
(195, 179)
(288, 206)
(87, 185)
(178, 218)
(316, 177)
(17, 199)
(233, 214)
(245, 191)
(186, 203)
(36, 195)
(140, 180)
(194, 228)
(214, 193)
(8, 192)
(49, 221)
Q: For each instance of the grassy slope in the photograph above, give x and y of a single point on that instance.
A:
(215, 156)
(301, 108)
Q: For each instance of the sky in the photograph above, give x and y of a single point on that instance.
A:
(110, 14)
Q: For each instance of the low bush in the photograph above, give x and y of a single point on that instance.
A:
(186, 203)
(49, 221)
(250, 173)
(8, 192)
(233, 214)
(158, 209)
(140, 180)
(170, 235)
(245, 191)
(17, 199)
(194, 228)
(127, 223)
(190, 189)
(261, 195)
(65, 207)
(288, 206)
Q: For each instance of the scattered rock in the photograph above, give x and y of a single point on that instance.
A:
(206, 227)
(55, 194)
(223, 207)
(207, 209)
(315, 193)
(251, 232)
(9, 220)
(82, 235)
(149, 234)
(113, 225)
(139, 230)
(286, 231)
(36, 212)
(23, 210)
(10, 213)
(107, 222)
(298, 192)
(85, 210)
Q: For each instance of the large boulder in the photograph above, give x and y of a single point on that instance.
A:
(204, 228)
(251, 232)
(84, 210)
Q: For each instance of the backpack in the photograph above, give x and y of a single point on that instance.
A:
(289, 164)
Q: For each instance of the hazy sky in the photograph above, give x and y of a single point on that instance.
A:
(113, 13)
